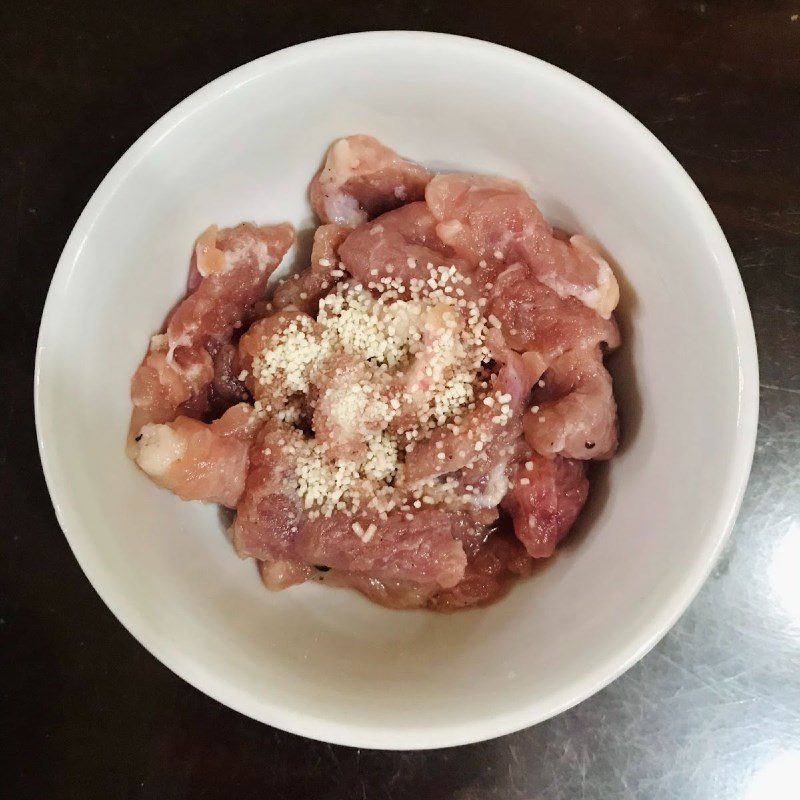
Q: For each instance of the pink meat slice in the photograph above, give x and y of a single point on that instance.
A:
(163, 387)
(361, 178)
(488, 576)
(305, 289)
(196, 460)
(462, 447)
(490, 571)
(397, 245)
(226, 388)
(484, 218)
(279, 575)
(577, 414)
(398, 594)
(421, 549)
(262, 330)
(234, 265)
(544, 501)
(256, 338)
(334, 421)
(536, 320)
(412, 389)
(459, 449)
(271, 526)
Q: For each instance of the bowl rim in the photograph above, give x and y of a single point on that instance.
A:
(534, 711)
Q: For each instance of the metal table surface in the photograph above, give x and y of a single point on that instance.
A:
(712, 713)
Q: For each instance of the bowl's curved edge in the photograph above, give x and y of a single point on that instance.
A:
(603, 673)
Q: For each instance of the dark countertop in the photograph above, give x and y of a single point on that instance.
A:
(712, 713)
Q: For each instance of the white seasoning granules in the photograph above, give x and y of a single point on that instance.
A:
(422, 349)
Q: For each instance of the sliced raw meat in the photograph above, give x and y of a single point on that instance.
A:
(293, 338)
(576, 413)
(234, 264)
(278, 575)
(421, 550)
(162, 387)
(269, 514)
(477, 214)
(383, 591)
(305, 289)
(535, 320)
(397, 246)
(432, 380)
(490, 218)
(483, 430)
(490, 572)
(441, 363)
(226, 388)
(487, 479)
(489, 575)
(271, 526)
(198, 461)
(361, 178)
(256, 338)
(235, 267)
(349, 405)
(446, 450)
(546, 497)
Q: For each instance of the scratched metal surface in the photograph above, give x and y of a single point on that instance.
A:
(713, 713)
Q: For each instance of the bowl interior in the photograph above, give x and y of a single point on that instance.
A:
(323, 662)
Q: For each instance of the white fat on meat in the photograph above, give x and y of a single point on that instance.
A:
(340, 166)
(496, 487)
(158, 449)
(210, 259)
(605, 296)
(449, 230)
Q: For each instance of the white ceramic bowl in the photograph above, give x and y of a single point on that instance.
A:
(326, 663)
